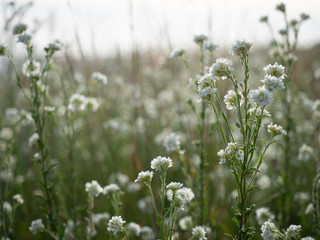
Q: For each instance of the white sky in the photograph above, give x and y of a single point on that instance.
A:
(105, 24)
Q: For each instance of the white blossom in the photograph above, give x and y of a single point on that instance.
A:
(276, 129)
(116, 224)
(93, 188)
(261, 96)
(269, 231)
(293, 231)
(161, 163)
(36, 226)
(99, 78)
(111, 188)
(240, 47)
(275, 70)
(198, 232)
(144, 177)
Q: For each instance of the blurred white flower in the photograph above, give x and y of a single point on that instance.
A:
(116, 224)
(198, 232)
(94, 189)
(36, 226)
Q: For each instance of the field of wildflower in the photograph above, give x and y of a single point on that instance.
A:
(206, 144)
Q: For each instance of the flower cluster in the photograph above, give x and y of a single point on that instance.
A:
(172, 142)
(198, 232)
(206, 88)
(269, 231)
(111, 188)
(240, 48)
(78, 102)
(31, 69)
(230, 99)
(161, 163)
(263, 214)
(36, 226)
(145, 177)
(182, 197)
(261, 96)
(178, 53)
(200, 39)
(174, 186)
(20, 30)
(99, 78)
(221, 68)
(116, 224)
(293, 231)
(230, 153)
(94, 189)
(257, 111)
(276, 129)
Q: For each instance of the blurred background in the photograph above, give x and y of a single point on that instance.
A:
(105, 27)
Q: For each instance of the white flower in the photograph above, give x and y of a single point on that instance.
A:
(111, 188)
(31, 70)
(305, 153)
(147, 233)
(177, 53)
(133, 187)
(302, 197)
(307, 238)
(273, 83)
(200, 39)
(91, 104)
(53, 47)
(210, 46)
(120, 178)
(257, 111)
(42, 88)
(221, 68)
(198, 232)
(232, 151)
(77, 102)
(275, 70)
(240, 47)
(262, 214)
(93, 188)
(223, 156)
(34, 137)
(276, 129)
(134, 229)
(144, 177)
(7, 207)
(172, 142)
(98, 217)
(6, 133)
(36, 226)
(99, 78)
(309, 208)
(183, 196)
(116, 224)
(18, 198)
(24, 38)
(269, 231)
(186, 223)
(174, 186)
(161, 163)
(293, 231)
(49, 109)
(206, 93)
(230, 99)
(19, 28)
(261, 96)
